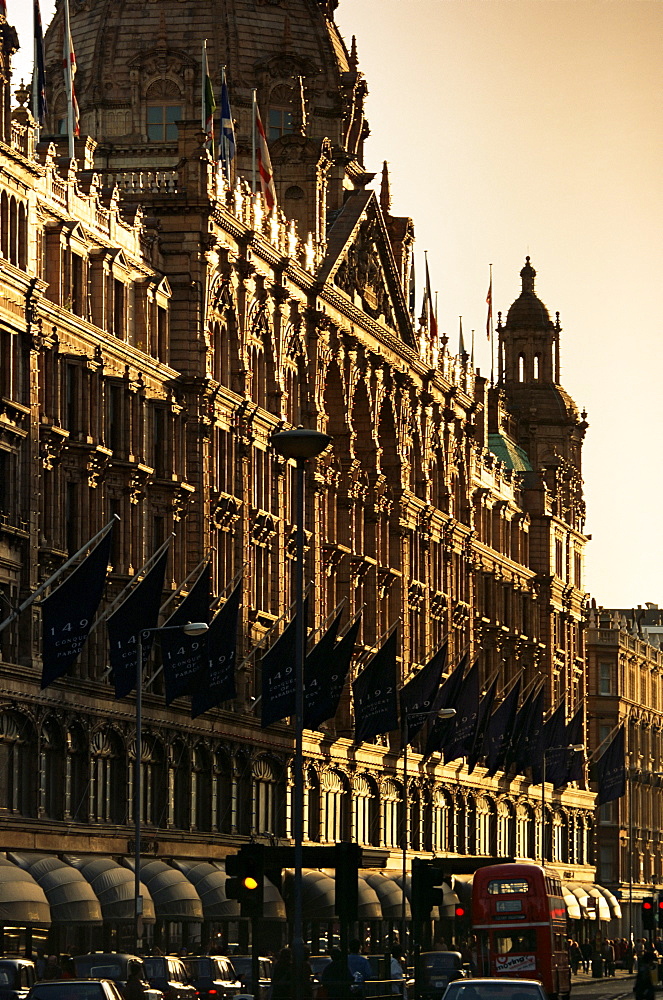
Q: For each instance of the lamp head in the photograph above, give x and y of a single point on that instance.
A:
(446, 713)
(300, 443)
(195, 628)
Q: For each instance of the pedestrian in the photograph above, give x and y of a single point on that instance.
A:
(360, 969)
(335, 978)
(397, 972)
(608, 956)
(575, 956)
(628, 955)
(135, 986)
(283, 975)
(587, 951)
(643, 987)
(40, 963)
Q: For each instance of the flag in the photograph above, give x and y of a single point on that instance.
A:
(500, 731)
(375, 694)
(521, 729)
(183, 656)
(39, 107)
(610, 770)
(525, 753)
(69, 64)
(278, 675)
(216, 681)
(460, 740)
(553, 746)
(479, 749)
(432, 318)
(418, 694)
(227, 131)
(445, 698)
(575, 737)
(264, 163)
(461, 341)
(67, 613)
(489, 303)
(325, 670)
(138, 613)
(209, 104)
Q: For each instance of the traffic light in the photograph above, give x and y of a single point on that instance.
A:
(427, 891)
(648, 914)
(659, 910)
(247, 884)
(459, 911)
(347, 881)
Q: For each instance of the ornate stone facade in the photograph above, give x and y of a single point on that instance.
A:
(156, 328)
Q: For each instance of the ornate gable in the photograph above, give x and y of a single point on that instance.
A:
(361, 263)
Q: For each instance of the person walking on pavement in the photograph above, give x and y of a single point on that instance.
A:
(397, 972)
(643, 988)
(359, 967)
(586, 951)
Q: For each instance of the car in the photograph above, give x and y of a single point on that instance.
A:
(243, 966)
(75, 989)
(213, 976)
(438, 969)
(113, 965)
(17, 975)
(494, 989)
(168, 974)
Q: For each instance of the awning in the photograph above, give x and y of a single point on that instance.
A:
(210, 884)
(70, 896)
(571, 903)
(601, 902)
(581, 895)
(612, 901)
(318, 894)
(22, 900)
(368, 903)
(273, 905)
(174, 896)
(113, 885)
(390, 895)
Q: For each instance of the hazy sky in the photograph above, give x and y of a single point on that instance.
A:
(516, 127)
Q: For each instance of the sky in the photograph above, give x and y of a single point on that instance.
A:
(535, 127)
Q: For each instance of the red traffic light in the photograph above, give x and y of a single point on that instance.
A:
(647, 905)
(459, 911)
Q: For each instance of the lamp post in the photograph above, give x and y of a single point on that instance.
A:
(191, 628)
(574, 748)
(300, 445)
(443, 713)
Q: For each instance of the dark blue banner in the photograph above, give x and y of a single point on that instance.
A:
(137, 614)
(460, 741)
(610, 770)
(323, 680)
(479, 749)
(418, 695)
(501, 730)
(375, 694)
(67, 614)
(278, 676)
(183, 656)
(446, 697)
(216, 681)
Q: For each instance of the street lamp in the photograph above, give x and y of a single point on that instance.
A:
(300, 445)
(191, 628)
(574, 748)
(442, 713)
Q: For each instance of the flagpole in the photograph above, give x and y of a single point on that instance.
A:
(203, 87)
(69, 83)
(51, 580)
(253, 143)
(492, 333)
(35, 72)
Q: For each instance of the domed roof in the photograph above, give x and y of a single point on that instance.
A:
(528, 311)
(133, 53)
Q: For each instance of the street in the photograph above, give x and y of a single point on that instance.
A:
(584, 987)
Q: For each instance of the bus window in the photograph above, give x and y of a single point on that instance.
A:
(521, 941)
(499, 888)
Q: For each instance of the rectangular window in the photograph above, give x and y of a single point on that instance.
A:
(119, 309)
(559, 558)
(77, 289)
(280, 123)
(161, 120)
(71, 518)
(606, 685)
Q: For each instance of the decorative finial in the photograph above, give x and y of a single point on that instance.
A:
(385, 194)
(528, 274)
(354, 61)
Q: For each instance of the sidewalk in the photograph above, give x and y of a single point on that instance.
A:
(581, 978)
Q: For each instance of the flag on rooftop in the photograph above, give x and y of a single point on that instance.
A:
(265, 170)
(39, 107)
(227, 132)
(489, 303)
(69, 65)
(208, 104)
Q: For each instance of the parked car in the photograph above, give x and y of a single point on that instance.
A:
(17, 975)
(75, 989)
(168, 974)
(243, 966)
(113, 965)
(494, 989)
(438, 969)
(213, 976)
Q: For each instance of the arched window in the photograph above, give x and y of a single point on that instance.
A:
(392, 813)
(313, 804)
(78, 775)
(163, 110)
(201, 788)
(525, 831)
(264, 798)
(52, 770)
(18, 765)
(537, 367)
(109, 779)
(154, 785)
(506, 829)
(181, 803)
(334, 807)
(366, 811)
(279, 117)
(444, 821)
(521, 367)
(224, 792)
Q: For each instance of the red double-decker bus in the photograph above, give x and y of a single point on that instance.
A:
(519, 919)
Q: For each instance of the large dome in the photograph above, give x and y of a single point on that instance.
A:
(139, 69)
(528, 311)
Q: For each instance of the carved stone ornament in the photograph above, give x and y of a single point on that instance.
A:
(361, 273)
(226, 511)
(52, 441)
